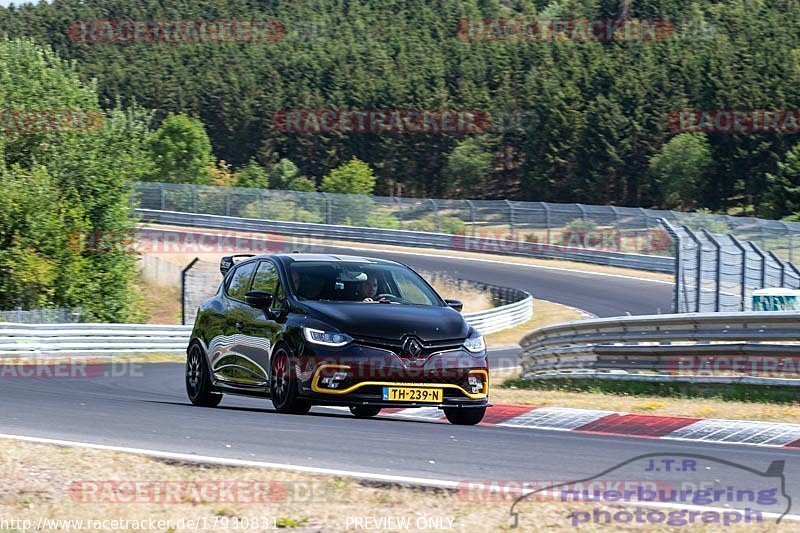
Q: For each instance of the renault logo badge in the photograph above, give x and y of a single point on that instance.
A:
(412, 347)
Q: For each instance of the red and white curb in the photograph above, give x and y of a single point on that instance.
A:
(770, 434)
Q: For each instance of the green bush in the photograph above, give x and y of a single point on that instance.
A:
(279, 209)
(446, 224)
(382, 218)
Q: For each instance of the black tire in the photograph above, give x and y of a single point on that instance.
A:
(464, 416)
(283, 385)
(198, 379)
(364, 411)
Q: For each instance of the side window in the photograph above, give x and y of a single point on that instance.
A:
(279, 301)
(240, 281)
(266, 278)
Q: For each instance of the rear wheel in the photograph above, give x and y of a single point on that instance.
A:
(283, 385)
(364, 411)
(464, 416)
(198, 379)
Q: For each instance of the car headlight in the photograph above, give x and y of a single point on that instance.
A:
(475, 344)
(326, 338)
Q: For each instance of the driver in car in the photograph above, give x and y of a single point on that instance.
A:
(368, 290)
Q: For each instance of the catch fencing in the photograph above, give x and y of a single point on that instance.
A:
(718, 273)
(43, 316)
(591, 227)
(419, 239)
(752, 348)
(717, 260)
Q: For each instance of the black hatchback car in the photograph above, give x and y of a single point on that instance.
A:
(313, 329)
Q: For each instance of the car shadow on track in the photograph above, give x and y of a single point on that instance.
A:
(316, 414)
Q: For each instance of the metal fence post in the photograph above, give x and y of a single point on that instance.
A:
(782, 265)
(763, 257)
(436, 215)
(699, 244)
(796, 273)
(789, 239)
(718, 290)
(183, 288)
(743, 273)
(471, 206)
(399, 203)
(584, 216)
(328, 208)
(678, 263)
(261, 204)
(510, 207)
(547, 221)
(194, 198)
(163, 195)
(615, 210)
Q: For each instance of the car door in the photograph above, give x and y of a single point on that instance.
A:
(262, 328)
(231, 352)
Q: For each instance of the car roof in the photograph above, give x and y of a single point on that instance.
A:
(330, 258)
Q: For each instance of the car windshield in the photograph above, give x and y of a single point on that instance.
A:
(360, 282)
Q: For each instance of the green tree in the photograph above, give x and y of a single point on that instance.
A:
(783, 187)
(181, 151)
(353, 177)
(680, 169)
(286, 176)
(65, 193)
(252, 175)
(468, 168)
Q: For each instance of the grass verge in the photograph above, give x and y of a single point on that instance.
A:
(65, 483)
(544, 314)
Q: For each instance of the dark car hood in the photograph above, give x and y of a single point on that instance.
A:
(390, 321)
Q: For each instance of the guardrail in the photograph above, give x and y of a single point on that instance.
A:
(23, 340)
(419, 239)
(70, 339)
(516, 307)
(750, 348)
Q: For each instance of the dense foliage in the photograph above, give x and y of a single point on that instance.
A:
(573, 122)
(65, 226)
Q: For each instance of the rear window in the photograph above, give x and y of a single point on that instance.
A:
(239, 281)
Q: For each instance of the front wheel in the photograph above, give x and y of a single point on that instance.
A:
(198, 379)
(464, 416)
(283, 385)
(364, 411)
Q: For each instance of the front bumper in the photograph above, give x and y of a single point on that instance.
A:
(357, 376)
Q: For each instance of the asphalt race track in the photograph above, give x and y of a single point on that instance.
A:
(148, 409)
(599, 295)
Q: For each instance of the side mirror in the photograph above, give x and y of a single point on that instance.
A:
(455, 304)
(258, 299)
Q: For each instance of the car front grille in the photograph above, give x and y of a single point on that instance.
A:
(396, 347)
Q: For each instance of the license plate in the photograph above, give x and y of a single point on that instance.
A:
(410, 394)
